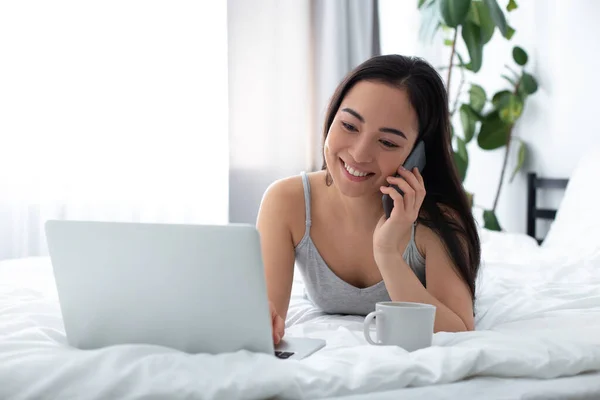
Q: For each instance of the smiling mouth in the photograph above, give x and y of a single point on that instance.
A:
(355, 172)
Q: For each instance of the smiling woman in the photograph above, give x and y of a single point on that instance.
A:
(332, 225)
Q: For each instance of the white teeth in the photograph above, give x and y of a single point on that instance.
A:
(354, 172)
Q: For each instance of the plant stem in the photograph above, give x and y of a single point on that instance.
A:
(512, 70)
(443, 67)
(460, 86)
(502, 173)
(451, 60)
(505, 162)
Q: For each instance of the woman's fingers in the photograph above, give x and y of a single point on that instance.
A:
(410, 177)
(278, 329)
(419, 176)
(397, 197)
(407, 189)
(415, 180)
(277, 324)
(420, 190)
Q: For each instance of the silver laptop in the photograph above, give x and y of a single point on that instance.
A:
(194, 288)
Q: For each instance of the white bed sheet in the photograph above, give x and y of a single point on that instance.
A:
(580, 387)
(538, 317)
(521, 252)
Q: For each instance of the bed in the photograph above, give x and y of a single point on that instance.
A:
(537, 333)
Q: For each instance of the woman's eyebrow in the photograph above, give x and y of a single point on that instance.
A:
(354, 113)
(385, 130)
(394, 131)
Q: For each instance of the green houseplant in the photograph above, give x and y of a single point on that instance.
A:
(489, 120)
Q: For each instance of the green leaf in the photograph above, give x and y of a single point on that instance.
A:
(521, 156)
(473, 15)
(498, 98)
(461, 166)
(468, 123)
(461, 59)
(477, 97)
(454, 12)
(491, 221)
(421, 2)
(529, 83)
(461, 148)
(512, 5)
(468, 118)
(479, 14)
(519, 55)
(471, 34)
(493, 133)
(478, 116)
(510, 108)
(461, 158)
(508, 105)
(497, 16)
(510, 31)
(522, 93)
(470, 197)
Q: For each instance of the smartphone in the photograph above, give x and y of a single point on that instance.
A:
(415, 159)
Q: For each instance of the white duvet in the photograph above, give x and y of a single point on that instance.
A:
(538, 316)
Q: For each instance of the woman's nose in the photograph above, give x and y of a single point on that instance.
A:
(362, 151)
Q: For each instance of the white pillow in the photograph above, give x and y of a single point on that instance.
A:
(576, 228)
(505, 246)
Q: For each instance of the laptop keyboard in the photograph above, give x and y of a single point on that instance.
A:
(283, 354)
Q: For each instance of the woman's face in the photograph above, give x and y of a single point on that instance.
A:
(372, 133)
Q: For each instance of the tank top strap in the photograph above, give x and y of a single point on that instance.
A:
(306, 185)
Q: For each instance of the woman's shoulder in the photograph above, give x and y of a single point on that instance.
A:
(282, 196)
(291, 188)
(284, 199)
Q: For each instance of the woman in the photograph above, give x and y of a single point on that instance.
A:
(332, 222)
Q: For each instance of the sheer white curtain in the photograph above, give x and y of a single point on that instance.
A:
(270, 94)
(345, 33)
(112, 110)
(285, 59)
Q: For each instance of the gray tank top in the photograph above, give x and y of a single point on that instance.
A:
(328, 291)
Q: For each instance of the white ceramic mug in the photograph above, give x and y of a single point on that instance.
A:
(404, 324)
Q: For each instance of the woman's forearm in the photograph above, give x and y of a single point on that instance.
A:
(403, 285)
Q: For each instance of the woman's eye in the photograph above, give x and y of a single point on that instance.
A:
(388, 144)
(349, 127)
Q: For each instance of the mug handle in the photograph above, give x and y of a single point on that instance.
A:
(367, 324)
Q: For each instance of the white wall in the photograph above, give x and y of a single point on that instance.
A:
(557, 123)
(399, 23)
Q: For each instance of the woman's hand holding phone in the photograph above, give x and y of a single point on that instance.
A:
(389, 232)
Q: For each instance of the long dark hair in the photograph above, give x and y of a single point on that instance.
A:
(446, 209)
